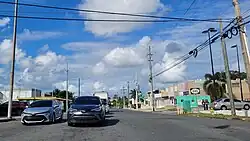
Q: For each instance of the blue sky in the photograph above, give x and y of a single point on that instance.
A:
(106, 55)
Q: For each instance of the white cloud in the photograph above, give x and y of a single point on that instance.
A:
(126, 6)
(100, 68)
(125, 57)
(6, 51)
(43, 49)
(88, 46)
(28, 35)
(99, 86)
(130, 56)
(4, 21)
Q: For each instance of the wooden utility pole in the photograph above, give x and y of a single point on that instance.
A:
(67, 88)
(128, 93)
(228, 76)
(152, 103)
(12, 74)
(243, 40)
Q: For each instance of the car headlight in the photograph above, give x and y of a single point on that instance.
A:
(97, 109)
(72, 110)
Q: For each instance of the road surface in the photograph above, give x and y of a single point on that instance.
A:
(128, 125)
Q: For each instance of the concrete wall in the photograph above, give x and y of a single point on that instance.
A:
(20, 93)
(236, 89)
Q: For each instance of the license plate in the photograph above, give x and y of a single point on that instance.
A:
(78, 113)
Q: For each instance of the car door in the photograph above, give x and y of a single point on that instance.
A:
(226, 102)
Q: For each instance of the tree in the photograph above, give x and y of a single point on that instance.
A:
(219, 89)
(62, 94)
(216, 90)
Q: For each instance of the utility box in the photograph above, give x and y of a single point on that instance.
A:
(188, 102)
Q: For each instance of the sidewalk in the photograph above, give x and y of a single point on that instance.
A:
(5, 119)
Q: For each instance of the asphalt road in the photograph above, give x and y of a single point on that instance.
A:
(128, 125)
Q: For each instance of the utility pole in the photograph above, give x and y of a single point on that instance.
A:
(243, 40)
(67, 87)
(228, 76)
(79, 87)
(128, 93)
(12, 74)
(136, 92)
(123, 95)
(151, 78)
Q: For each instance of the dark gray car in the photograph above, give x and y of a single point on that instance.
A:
(42, 111)
(86, 109)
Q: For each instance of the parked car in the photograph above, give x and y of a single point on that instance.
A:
(224, 104)
(42, 111)
(17, 108)
(86, 109)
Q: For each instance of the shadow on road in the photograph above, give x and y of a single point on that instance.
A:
(222, 127)
(39, 124)
(108, 116)
(106, 123)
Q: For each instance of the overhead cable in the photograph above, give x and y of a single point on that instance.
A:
(115, 13)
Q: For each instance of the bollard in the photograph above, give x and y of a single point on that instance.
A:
(246, 113)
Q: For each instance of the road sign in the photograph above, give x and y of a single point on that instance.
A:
(195, 91)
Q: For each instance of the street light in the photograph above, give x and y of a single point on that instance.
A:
(238, 60)
(210, 49)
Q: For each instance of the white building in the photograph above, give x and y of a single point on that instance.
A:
(19, 93)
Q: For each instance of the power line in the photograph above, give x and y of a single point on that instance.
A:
(81, 19)
(90, 20)
(190, 7)
(196, 49)
(114, 13)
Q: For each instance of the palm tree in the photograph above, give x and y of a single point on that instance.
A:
(216, 90)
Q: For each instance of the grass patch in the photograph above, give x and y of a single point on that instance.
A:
(167, 108)
(217, 116)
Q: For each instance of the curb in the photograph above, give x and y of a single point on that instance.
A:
(9, 119)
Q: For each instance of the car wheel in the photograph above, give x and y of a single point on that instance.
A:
(61, 117)
(70, 124)
(52, 119)
(24, 123)
(223, 108)
(246, 107)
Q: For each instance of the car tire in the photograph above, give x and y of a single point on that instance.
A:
(223, 107)
(70, 124)
(61, 118)
(246, 107)
(53, 119)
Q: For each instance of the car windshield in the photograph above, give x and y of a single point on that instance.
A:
(44, 103)
(87, 101)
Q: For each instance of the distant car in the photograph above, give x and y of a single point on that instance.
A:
(17, 108)
(42, 111)
(224, 104)
(86, 109)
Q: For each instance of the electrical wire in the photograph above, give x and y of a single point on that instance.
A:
(190, 7)
(115, 13)
(90, 20)
(198, 48)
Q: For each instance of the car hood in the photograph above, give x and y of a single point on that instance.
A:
(33, 110)
(84, 107)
